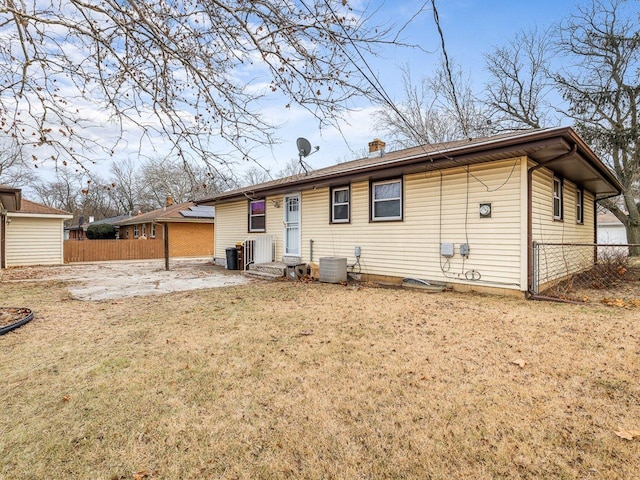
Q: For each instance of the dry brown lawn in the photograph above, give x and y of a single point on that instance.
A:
(317, 381)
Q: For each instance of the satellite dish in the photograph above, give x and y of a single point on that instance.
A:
(304, 147)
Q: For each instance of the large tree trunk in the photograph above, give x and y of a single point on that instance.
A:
(633, 237)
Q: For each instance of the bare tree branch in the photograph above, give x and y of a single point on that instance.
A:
(191, 71)
(519, 82)
(433, 112)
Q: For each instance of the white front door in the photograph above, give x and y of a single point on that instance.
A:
(292, 225)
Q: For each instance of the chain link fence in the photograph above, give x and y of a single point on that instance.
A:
(586, 271)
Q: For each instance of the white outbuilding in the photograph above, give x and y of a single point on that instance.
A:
(32, 234)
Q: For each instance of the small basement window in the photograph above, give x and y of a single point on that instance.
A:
(257, 221)
(340, 204)
(386, 200)
(557, 198)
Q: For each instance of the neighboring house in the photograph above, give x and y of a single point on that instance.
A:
(79, 231)
(32, 234)
(611, 230)
(190, 227)
(462, 212)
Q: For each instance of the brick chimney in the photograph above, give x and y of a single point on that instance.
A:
(376, 148)
(169, 200)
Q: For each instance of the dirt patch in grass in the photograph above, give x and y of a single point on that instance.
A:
(292, 380)
(115, 280)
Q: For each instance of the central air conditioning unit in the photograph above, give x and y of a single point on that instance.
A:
(333, 269)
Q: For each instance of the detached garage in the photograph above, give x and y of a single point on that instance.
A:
(33, 235)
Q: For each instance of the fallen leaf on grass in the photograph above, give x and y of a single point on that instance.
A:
(305, 333)
(65, 398)
(616, 302)
(521, 363)
(635, 303)
(628, 434)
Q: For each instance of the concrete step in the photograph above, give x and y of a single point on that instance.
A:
(263, 275)
(275, 268)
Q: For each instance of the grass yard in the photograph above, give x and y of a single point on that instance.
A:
(317, 381)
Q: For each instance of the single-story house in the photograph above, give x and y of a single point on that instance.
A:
(31, 233)
(79, 231)
(466, 213)
(611, 230)
(190, 228)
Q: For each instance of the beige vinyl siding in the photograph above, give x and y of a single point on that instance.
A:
(232, 224)
(275, 222)
(545, 228)
(555, 262)
(34, 241)
(411, 248)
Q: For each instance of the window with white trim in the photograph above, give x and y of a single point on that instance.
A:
(557, 198)
(386, 200)
(136, 231)
(580, 206)
(153, 230)
(340, 204)
(257, 219)
(144, 229)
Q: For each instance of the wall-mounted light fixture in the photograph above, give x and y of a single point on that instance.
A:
(275, 203)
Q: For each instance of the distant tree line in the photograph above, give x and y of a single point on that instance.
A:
(128, 187)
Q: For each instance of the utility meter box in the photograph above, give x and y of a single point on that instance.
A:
(464, 249)
(446, 249)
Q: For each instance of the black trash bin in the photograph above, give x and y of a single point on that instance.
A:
(232, 258)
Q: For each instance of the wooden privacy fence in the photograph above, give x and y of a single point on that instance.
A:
(106, 250)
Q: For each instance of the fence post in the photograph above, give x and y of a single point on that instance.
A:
(534, 266)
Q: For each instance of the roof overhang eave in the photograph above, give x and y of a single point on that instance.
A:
(538, 145)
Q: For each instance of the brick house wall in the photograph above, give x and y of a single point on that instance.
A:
(190, 239)
(185, 239)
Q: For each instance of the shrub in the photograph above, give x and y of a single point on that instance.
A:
(102, 231)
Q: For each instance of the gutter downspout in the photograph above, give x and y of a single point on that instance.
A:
(530, 294)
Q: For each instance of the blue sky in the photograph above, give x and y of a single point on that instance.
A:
(471, 28)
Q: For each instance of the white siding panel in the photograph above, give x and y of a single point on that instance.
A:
(34, 241)
(438, 207)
